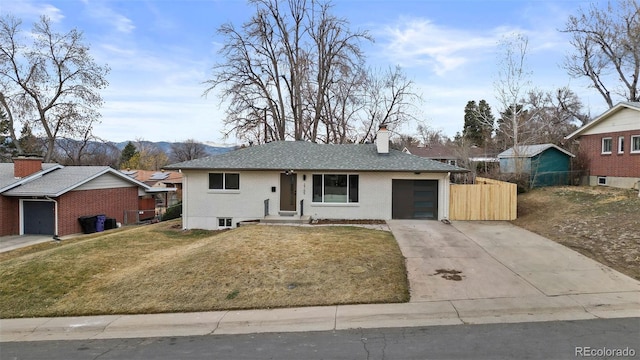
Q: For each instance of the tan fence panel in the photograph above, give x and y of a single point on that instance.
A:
(488, 199)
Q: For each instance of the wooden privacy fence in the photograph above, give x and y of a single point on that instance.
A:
(487, 199)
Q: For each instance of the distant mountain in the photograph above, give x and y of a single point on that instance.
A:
(165, 146)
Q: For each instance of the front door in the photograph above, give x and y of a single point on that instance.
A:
(288, 192)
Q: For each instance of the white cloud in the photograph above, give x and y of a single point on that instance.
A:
(101, 12)
(420, 42)
(32, 10)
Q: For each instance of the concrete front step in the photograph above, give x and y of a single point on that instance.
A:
(275, 219)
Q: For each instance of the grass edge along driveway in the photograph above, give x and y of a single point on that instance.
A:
(158, 268)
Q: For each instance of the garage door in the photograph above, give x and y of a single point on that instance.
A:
(414, 199)
(39, 217)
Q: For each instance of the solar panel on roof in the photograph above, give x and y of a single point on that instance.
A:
(159, 176)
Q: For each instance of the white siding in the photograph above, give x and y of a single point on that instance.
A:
(624, 120)
(106, 181)
(202, 207)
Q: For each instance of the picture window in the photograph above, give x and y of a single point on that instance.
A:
(335, 188)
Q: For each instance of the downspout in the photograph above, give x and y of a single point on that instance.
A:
(55, 210)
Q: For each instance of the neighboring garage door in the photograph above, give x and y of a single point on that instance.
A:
(414, 199)
(39, 217)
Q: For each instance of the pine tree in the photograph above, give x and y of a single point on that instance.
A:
(128, 152)
(29, 143)
(478, 123)
(7, 148)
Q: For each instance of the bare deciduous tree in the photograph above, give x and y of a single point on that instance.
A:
(511, 86)
(389, 98)
(187, 150)
(429, 135)
(554, 115)
(607, 49)
(51, 84)
(295, 71)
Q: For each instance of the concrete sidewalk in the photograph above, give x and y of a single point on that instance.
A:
(507, 275)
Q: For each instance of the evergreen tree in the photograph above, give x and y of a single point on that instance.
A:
(128, 152)
(7, 148)
(471, 131)
(478, 123)
(29, 143)
(487, 122)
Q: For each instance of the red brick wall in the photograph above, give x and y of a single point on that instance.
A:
(9, 216)
(614, 164)
(111, 202)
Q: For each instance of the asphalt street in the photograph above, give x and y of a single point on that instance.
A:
(538, 340)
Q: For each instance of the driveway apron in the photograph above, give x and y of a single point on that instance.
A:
(496, 260)
(436, 252)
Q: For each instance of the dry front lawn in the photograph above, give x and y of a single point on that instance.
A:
(600, 222)
(158, 268)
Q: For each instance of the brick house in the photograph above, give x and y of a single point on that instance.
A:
(612, 144)
(37, 198)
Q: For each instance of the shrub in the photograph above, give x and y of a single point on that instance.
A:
(173, 212)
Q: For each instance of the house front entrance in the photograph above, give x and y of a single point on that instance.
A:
(288, 183)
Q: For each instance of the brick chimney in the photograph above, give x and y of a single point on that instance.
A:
(382, 140)
(26, 165)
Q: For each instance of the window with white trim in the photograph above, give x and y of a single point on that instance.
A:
(602, 180)
(224, 181)
(620, 144)
(635, 143)
(335, 188)
(606, 145)
(225, 222)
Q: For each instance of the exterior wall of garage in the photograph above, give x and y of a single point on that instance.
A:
(203, 207)
(110, 202)
(9, 216)
(74, 204)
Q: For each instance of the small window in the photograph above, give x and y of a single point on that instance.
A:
(232, 181)
(224, 181)
(620, 144)
(635, 143)
(606, 145)
(225, 222)
(602, 180)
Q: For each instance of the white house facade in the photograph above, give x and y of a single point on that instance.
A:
(317, 181)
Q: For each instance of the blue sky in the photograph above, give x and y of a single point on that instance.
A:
(160, 52)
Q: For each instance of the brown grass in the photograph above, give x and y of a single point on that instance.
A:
(156, 269)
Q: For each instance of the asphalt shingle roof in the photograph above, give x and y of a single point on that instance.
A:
(301, 155)
(6, 174)
(62, 180)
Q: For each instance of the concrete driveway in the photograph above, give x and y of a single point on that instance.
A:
(502, 265)
(8, 243)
